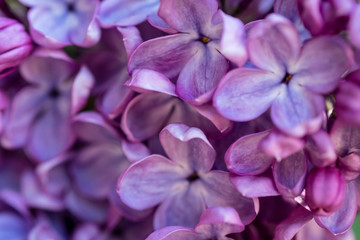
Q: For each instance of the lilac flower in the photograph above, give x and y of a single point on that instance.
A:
(40, 114)
(289, 78)
(183, 186)
(15, 45)
(58, 23)
(193, 53)
(215, 223)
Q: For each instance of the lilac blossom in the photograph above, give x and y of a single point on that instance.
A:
(183, 185)
(289, 78)
(193, 52)
(58, 23)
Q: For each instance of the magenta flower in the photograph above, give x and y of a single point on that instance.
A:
(193, 53)
(15, 45)
(288, 77)
(58, 23)
(215, 223)
(184, 185)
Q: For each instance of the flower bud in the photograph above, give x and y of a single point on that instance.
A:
(350, 166)
(15, 45)
(325, 190)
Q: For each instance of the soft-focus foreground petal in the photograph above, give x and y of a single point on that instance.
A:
(245, 93)
(322, 62)
(12, 226)
(148, 182)
(244, 158)
(188, 147)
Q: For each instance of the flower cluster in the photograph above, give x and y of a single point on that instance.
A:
(179, 119)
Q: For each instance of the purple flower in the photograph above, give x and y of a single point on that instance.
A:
(183, 185)
(215, 223)
(40, 115)
(58, 23)
(193, 53)
(289, 78)
(15, 45)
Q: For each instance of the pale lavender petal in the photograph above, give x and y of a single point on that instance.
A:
(233, 42)
(297, 111)
(148, 182)
(83, 83)
(341, 220)
(146, 115)
(221, 123)
(201, 74)
(255, 186)
(85, 208)
(219, 191)
(287, 229)
(280, 145)
(289, 174)
(320, 149)
(244, 158)
(187, 15)
(131, 38)
(171, 55)
(92, 36)
(86, 231)
(245, 93)
(354, 26)
(16, 201)
(322, 62)
(188, 147)
(278, 38)
(144, 80)
(32, 3)
(135, 151)
(126, 12)
(12, 226)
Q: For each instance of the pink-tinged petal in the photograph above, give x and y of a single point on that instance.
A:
(245, 93)
(233, 41)
(289, 174)
(45, 41)
(146, 115)
(131, 38)
(255, 186)
(341, 220)
(320, 149)
(218, 222)
(92, 127)
(83, 83)
(92, 36)
(244, 157)
(47, 68)
(274, 44)
(144, 80)
(148, 182)
(35, 195)
(354, 26)
(85, 208)
(134, 151)
(219, 191)
(310, 11)
(187, 15)
(12, 58)
(25, 107)
(188, 147)
(297, 111)
(51, 134)
(287, 229)
(16, 201)
(126, 12)
(107, 159)
(345, 138)
(280, 145)
(12, 226)
(43, 231)
(322, 62)
(174, 233)
(171, 55)
(221, 123)
(86, 231)
(201, 74)
(182, 208)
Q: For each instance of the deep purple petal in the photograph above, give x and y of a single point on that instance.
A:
(148, 182)
(289, 174)
(322, 62)
(245, 93)
(188, 147)
(244, 158)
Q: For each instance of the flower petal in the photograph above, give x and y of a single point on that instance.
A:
(245, 93)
